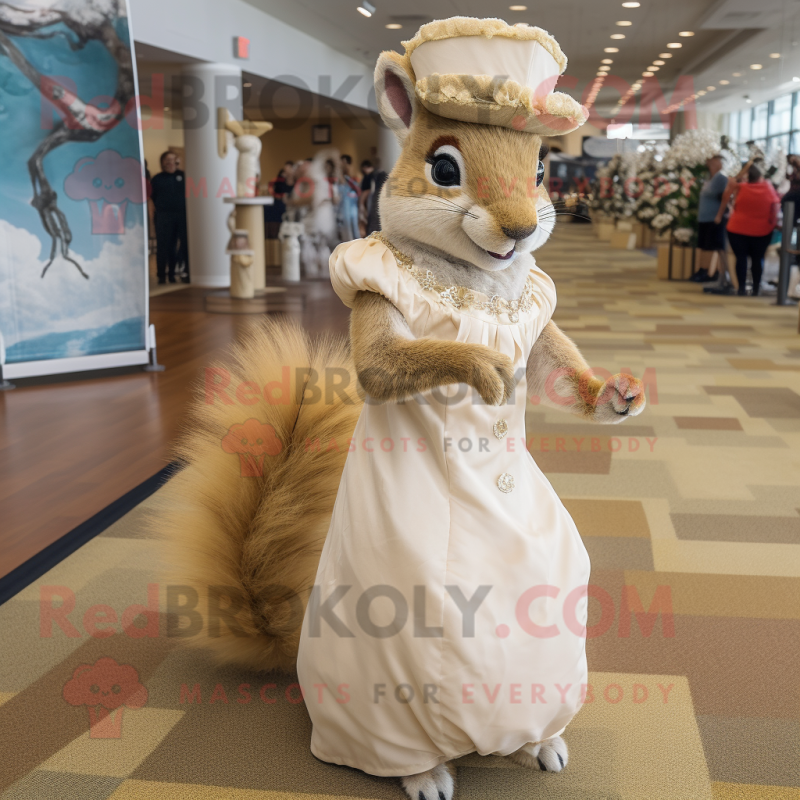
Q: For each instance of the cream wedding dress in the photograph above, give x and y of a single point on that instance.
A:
(439, 498)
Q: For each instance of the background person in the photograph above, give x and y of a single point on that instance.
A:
(279, 189)
(711, 219)
(750, 227)
(367, 171)
(350, 190)
(169, 202)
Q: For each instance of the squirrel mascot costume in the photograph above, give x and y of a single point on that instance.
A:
(391, 538)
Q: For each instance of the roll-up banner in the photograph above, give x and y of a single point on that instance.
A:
(73, 246)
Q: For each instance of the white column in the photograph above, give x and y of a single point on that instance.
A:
(388, 148)
(207, 87)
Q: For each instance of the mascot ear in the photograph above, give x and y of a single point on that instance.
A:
(394, 91)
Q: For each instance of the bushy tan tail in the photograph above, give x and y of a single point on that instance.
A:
(246, 519)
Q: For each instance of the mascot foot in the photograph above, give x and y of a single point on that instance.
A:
(549, 756)
(435, 784)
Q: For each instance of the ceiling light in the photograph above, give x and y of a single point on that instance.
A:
(748, 100)
(601, 74)
(755, 66)
(624, 23)
(724, 83)
(394, 26)
(518, 8)
(654, 69)
(674, 45)
(659, 63)
(617, 35)
(686, 33)
(632, 4)
(774, 55)
(611, 49)
(607, 61)
(737, 74)
(647, 74)
(366, 8)
(711, 88)
(665, 55)
(701, 92)
(247, 85)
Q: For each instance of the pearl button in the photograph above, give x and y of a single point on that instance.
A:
(500, 429)
(505, 483)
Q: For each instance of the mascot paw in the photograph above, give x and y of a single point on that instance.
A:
(549, 756)
(492, 376)
(621, 396)
(435, 784)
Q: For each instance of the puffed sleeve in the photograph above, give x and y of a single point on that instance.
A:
(364, 265)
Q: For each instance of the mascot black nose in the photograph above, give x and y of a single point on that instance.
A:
(519, 233)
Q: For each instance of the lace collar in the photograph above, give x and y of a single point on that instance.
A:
(461, 297)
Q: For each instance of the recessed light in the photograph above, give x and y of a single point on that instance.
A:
(701, 92)
(601, 74)
(724, 83)
(632, 4)
(394, 26)
(518, 8)
(654, 69)
(624, 23)
(611, 49)
(617, 35)
(366, 8)
(247, 85)
(711, 88)
(737, 74)
(686, 33)
(796, 80)
(755, 66)
(674, 45)
(166, 108)
(647, 74)
(665, 55)
(748, 100)
(659, 63)
(774, 55)
(607, 61)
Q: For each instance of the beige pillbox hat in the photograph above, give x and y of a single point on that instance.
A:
(490, 72)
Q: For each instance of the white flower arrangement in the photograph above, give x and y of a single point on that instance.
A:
(662, 221)
(677, 180)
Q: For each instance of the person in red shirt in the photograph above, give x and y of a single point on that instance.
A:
(750, 227)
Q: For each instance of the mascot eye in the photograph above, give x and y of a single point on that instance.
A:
(94, 688)
(116, 688)
(445, 171)
(540, 173)
(119, 182)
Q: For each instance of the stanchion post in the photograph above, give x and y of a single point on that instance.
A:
(786, 254)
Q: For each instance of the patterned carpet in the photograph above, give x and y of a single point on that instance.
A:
(694, 506)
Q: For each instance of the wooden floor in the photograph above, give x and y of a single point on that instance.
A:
(69, 448)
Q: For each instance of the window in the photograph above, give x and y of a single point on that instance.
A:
(760, 117)
(733, 127)
(774, 126)
(744, 125)
(780, 118)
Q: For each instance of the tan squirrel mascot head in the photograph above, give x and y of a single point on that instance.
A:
(469, 102)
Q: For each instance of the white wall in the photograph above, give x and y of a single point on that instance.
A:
(205, 29)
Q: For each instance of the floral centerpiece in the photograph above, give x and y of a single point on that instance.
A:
(613, 189)
(670, 197)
